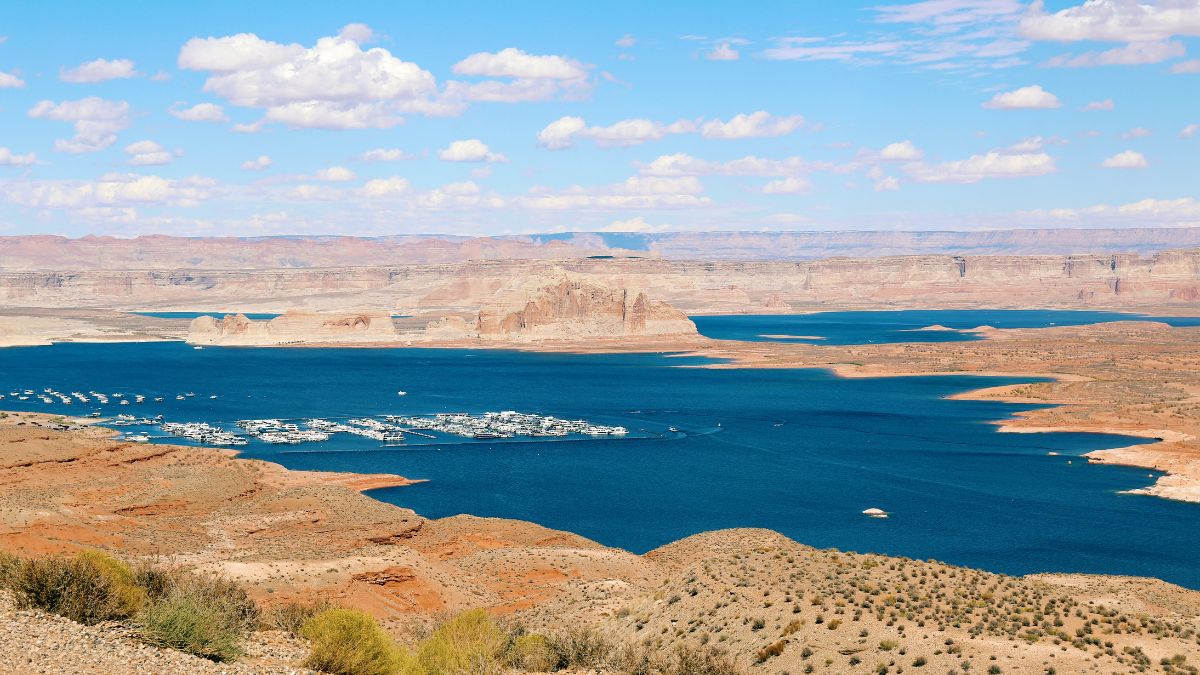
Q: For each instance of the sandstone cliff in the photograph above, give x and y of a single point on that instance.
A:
(293, 328)
(562, 306)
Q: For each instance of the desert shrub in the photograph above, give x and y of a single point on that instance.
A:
(772, 650)
(702, 661)
(532, 653)
(291, 616)
(468, 643)
(581, 648)
(88, 588)
(202, 615)
(350, 642)
(8, 568)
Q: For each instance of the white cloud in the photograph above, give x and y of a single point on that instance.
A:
(384, 155)
(887, 184)
(1106, 104)
(1189, 131)
(10, 81)
(110, 190)
(626, 41)
(1186, 67)
(470, 150)
(99, 70)
(1113, 21)
(334, 84)
(755, 125)
(561, 133)
(1024, 98)
(336, 174)
(257, 164)
(994, 164)
(357, 32)
(379, 188)
(201, 112)
(635, 224)
(516, 64)
(723, 52)
(1032, 144)
(97, 122)
(148, 153)
(1184, 212)
(638, 192)
(8, 158)
(1133, 54)
(1136, 132)
(902, 151)
(682, 164)
(792, 185)
(819, 49)
(1129, 159)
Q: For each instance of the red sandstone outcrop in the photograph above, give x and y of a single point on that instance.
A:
(564, 306)
(293, 328)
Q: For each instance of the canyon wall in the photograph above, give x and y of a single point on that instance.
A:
(1083, 281)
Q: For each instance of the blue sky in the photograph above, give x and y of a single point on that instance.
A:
(256, 118)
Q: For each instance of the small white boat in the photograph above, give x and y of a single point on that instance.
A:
(197, 347)
(875, 513)
(402, 393)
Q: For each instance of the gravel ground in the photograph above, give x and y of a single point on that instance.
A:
(36, 642)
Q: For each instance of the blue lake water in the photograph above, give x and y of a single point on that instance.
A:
(799, 451)
(256, 316)
(841, 328)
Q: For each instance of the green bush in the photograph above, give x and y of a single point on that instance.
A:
(532, 653)
(201, 615)
(350, 642)
(291, 616)
(88, 588)
(469, 643)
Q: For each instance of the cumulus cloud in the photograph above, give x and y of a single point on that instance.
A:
(1129, 159)
(1186, 67)
(148, 153)
(257, 164)
(8, 158)
(357, 32)
(201, 112)
(1106, 104)
(902, 151)
(638, 192)
(1133, 54)
(723, 52)
(470, 150)
(887, 184)
(561, 133)
(1189, 131)
(10, 81)
(336, 174)
(1184, 212)
(518, 76)
(99, 70)
(1024, 98)
(682, 164)
(792, 185)
(379, 188)
(1032, 144)
(334, 84)
(993, 164)
(1136, 132)
(109, 190)
(1113, 21)
(384, 155)
(97, 122)
(755, 125)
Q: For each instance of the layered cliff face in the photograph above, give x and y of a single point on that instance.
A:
(563, 306)
(293, 328)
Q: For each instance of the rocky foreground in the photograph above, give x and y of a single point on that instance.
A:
(777, 605)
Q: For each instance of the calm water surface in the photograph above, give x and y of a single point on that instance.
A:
(799, 451)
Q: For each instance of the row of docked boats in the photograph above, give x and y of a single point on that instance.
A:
(506, 424)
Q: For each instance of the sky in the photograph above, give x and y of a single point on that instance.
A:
(483, 118)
